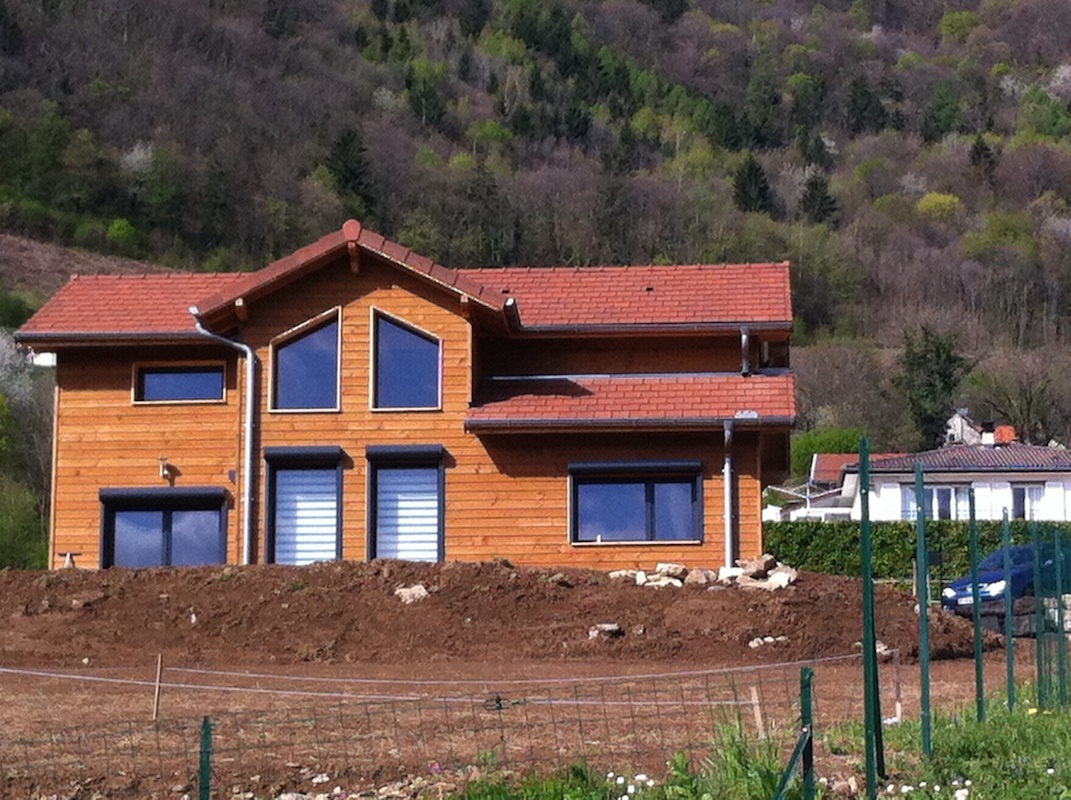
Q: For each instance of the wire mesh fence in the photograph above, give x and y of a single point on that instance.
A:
(343, 730)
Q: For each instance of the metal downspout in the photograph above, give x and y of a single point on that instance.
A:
(727, 483)
(250, 421)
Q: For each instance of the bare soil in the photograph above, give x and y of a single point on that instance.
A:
(322, 670)
(40, 268)
(346, 612)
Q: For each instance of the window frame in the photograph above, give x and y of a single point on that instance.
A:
(156, 498)
(298, 331)
(326, 458)
(1030, 503)
(647, 473)
(138, 367)
(909, 513)
(375, 315)
(400, 456)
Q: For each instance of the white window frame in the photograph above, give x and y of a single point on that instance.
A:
(373, 358)
(138, 366)
(958, 501)
(288, 336)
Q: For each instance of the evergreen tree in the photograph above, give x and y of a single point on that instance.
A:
(984, 158)
(751, 188)
(817, 204)
(865, 111)
(348, 164)
(381, 9)
(473, 16)
(931, 370)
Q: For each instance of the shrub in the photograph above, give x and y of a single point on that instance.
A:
(938, 206)
(834, 547)
(23, 544)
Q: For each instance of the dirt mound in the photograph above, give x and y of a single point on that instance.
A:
(348, 612)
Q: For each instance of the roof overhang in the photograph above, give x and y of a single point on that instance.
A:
(625, 425)
(519, 329)
(48, 342)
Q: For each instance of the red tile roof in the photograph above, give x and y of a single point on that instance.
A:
(733, 294)
(632, 401)
(827, 467)
(1014, 457)
(289, 268)
(103, 307)
(554, 298)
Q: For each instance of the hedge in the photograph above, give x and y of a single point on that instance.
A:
(833, 547)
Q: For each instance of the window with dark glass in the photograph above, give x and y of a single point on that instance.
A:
(163, 527)
(306, 369)
(406, 367)
(178, 384)
(636, 502)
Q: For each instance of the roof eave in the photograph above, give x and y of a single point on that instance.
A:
(506, 425)
(47, 341)
(653, 328)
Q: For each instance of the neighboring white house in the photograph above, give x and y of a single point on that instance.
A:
(1031, 482)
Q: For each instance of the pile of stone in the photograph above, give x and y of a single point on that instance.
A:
(764, 572)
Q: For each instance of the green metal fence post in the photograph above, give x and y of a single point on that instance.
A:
(1009, 628)
(924, 611)
(1061, 653)
(871, 719)
(976, 613)
(1039, 619)
(807, 720)
(204, 775)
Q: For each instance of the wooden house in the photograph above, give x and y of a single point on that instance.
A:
(356, 400)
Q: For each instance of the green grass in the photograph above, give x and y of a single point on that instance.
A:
(742, 767)
(1020, 755)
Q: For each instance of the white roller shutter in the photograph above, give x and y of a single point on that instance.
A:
(306, 515)
(407, 513)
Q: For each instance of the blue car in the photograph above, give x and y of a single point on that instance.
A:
(958, 595)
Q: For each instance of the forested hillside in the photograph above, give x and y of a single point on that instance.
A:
(911, 157)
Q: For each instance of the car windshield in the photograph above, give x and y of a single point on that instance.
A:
(1021, 555)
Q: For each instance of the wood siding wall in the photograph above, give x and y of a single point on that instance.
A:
(103, 439)
(506, 496)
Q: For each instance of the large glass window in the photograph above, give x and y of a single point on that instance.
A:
(407, 485)
(940, 502)
(305, 368)
(163, 527)
(160, 384)
(406, 367)
(1026, 501)
(304, 504)
(636, 503)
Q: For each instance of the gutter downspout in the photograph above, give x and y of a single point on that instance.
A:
(727, 483)
(250, 421)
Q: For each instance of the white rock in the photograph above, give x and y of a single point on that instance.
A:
(411, 594)
(671, 570)
(617, 574)
(606, 630)
(726, 574)
(660, 583)
(698, 577)
(756, 642)
(641, 577)
(779, 580)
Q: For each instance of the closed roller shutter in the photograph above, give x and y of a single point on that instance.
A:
(306, 515)
(407, 513)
